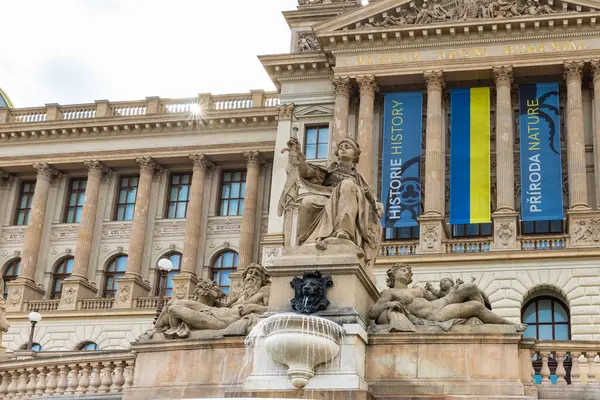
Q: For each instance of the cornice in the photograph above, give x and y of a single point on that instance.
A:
(278, 66)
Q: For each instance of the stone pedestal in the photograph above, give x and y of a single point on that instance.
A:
(20, 291)
(353, 290)
(432, 234)
(184, 286)
(505, 231)
(584, 228)
(129, 287)
(74, 289)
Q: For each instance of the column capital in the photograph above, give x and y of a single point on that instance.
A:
(341, 85)
(96, 167)
(573, 70)
(45, 170)
(503, 74)
(253, 157)
(367, 84)
(285, 111)
(5, 177)
(435, 80)
(201, 161)
(148, 164)
(595, 64)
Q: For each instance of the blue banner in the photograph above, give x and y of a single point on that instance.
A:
(401, 164)
(541, 171)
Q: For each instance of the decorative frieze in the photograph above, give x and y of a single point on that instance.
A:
(12, 234)
(116, 230)
(221, 226)
(169, 228)
(64, 232)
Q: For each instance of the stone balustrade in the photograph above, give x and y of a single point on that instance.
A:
(407, 248)
(554, 242)
(70, 374)
(152, 105)
(478, 245)
(93, 304)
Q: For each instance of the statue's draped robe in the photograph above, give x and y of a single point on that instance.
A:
(338, 203)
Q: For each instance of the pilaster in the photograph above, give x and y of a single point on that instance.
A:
(341, 87)
(432, 234)
(364, 135)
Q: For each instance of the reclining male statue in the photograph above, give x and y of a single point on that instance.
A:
(400, 308)
(180, 317)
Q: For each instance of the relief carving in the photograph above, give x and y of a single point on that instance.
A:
(113, 232)
(69, 295)
(505, 232)
(310, 292)
(170, 228)
(124, 293)
(68, 232)
(15, 295)
(431, 235)
(5, 178)
(10, 235)
(270, 254)
(308, 42)
(587, 231)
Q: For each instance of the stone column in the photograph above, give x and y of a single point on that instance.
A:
(24, 287)
(132, 284)
(340, 113)
(432, 227)
(185, 282)
(596, 82)
(364, 135)
(249, 213)
(77, 285)
(505, 216)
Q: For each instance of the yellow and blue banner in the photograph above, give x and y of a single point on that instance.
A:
(401, 159)
(470, 156)
(541, 170)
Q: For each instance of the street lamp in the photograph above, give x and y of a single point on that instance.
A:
(164, 267)
(34, 318)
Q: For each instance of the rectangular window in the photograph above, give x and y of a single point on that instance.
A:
(405, 233)
(541, 227)
(75, 201)
(25, 201)
(471, 230)
(316, 144)
(233, 186)
(126, 199)
(179, 195)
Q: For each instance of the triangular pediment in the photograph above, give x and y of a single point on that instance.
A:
(388, 14)
(314, 111)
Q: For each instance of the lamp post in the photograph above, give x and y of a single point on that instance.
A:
(164, 267)
(34, 318)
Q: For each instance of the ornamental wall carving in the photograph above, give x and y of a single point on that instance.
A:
(169, 228)
(13, 234)
(224, 225)
(116, 230)
(64, 232)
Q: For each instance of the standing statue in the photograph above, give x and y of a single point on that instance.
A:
(180, 317)
(400, 308)
(340, 205)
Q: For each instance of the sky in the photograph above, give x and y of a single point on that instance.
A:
(78, 51)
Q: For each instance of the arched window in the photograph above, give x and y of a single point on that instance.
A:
(88, 346)
(11, 272)
(547, 318)
(36, 347)
(224, 264)
(175, 258)
(62, 272)
(116, 269)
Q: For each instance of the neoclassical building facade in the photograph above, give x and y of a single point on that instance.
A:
(93, 195)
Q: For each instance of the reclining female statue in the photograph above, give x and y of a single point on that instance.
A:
(400, 308)
(340, 205)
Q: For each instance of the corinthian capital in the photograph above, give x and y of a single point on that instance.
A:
(595, 64)
(503, 75)
(285, 111)
(573, 70)
(46, 171)
(147, 164)
(201, 162)
(341, 85)
(435, 80)
(253, 157)
(367, 84)
(5, 177)
(95, 167)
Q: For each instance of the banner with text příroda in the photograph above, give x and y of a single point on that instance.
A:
(401, 159)
(541, 171)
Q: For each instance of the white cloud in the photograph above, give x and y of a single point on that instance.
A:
(77, 51)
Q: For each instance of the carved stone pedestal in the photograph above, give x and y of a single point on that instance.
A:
(584, 228)
(130, 287)
(183, 286)
(432, 234)
(74, 289)
(20, 291)
(505, 231)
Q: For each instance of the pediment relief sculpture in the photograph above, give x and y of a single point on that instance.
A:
(308, 42)
(438, 11)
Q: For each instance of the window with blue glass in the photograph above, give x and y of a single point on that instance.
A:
(75, 200)
(404, 233)
(126, 200)
(541, 227)
(88, 346)
(179, 195)
(233, 186)
(316, 145)
(547, 318)
(11, 272)
(35, 347)
(175, 258)
(471, 230)
(25, 202)
(115, 270)
(63, 271)
(224, 265)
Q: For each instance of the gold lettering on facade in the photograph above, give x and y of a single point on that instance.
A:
(553, 47)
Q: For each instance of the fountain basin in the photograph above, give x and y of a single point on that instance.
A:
(301, 342)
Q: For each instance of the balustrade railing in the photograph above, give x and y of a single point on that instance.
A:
(232, 102)
(479, 245)
(28, 115)
(46, 375)
(388, 249)
(145, 302)
(96, 304)
(42, 305)
(83, 112)
(128, 109)
(554, 242)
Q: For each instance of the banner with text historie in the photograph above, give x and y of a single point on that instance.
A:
(541, 170)
(401, 159)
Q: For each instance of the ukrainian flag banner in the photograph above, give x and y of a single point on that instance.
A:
(470, 156)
